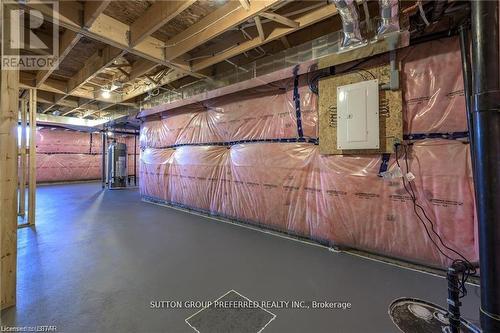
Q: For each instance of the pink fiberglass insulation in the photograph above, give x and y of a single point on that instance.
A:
(73, 156)
(260, 113)
(433, 103)
(433, 87)
(339, 199)
(67, 167)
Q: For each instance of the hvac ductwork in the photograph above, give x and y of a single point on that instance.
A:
(389, 17)
(348, 11)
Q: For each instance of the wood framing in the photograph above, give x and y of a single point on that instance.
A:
(304, 20)
(280, 19)
(8, 185)
(68, 40)
(159, 14)
(92, 10)
(260, 29)
(32, 158)
(214, 24)
(22, 158)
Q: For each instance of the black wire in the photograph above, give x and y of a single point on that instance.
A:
(467, 268)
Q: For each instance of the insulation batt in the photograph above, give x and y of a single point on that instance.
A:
(339, 199)
(336, 199)
(72, 156)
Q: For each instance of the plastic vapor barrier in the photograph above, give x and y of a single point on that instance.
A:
(262, 113)
(64, 155)
(194, 157)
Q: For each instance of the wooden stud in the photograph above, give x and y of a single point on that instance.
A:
(22, 159)
(245, 4)
(280, 19)
(9, 113)
(260, 29)
(32, 158)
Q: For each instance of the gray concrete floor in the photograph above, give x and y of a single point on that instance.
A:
(97, 259)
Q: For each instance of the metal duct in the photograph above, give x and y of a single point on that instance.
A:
(348, 11)
(389, 17)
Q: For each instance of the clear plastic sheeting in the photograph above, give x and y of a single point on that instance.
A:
(339, 199)
(389, 17)
(64, 155)
(266, 112)
(67, 167)
(433, 87)
(433, 103)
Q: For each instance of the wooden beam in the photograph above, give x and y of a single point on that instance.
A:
(91, 10)
(172, 76)
(22, 159)
(260, 29)
(214, 24)
(141, 67)
(156, 16)
(315, 16)
(285, 42)
(280, 19)
(68, 40)
(245, 4)
(96, 63)
(112, 32)
(32, 159)
(9, 92)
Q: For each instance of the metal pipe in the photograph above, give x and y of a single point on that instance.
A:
(486, 128)
(348, 12)
(467, 78)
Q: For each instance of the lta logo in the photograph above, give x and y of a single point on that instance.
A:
(30, 34)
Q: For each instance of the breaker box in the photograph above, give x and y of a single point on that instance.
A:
(358, 115)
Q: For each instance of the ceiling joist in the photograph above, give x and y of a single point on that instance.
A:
(304, 20)
(221, 20)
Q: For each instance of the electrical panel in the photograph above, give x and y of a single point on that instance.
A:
(358, 115)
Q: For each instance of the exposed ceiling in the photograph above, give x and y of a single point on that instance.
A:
(131, 47)
(128, 48)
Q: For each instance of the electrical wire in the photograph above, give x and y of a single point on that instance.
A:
(467, 267)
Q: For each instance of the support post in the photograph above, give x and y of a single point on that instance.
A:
(103, 161)
(135, 159)
(486, 136)
(32, 158)
(22, 159)
(9, 113)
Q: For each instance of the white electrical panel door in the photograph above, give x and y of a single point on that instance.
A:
(358, 116)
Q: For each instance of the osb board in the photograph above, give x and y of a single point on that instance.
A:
(391, 116)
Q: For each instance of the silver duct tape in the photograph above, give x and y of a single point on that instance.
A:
(389, 17)
(348, 11)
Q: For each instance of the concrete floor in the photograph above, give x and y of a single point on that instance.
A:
(97, 259)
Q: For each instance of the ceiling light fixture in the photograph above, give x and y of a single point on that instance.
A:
(105, 93)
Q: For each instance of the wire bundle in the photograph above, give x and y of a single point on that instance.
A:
(465, 265)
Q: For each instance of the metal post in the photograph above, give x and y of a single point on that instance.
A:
(103, 161)
(135, 159)
(486, 134)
